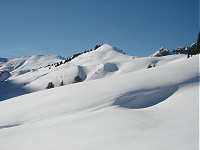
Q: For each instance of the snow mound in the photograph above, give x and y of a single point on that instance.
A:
(109, 67)
(145, 98)
(81, 73)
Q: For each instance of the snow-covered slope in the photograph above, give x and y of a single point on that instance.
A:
(4, 75)
(21, 65)
(133, 108)
(105, 61)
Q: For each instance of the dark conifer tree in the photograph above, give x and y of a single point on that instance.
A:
(57, 64)
(65, 61)
(62, 83)
(198, 44)
(150, 66)
(77, 79)
(97, 46)
(50, 85)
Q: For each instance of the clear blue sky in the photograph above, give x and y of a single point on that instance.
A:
(65, 27)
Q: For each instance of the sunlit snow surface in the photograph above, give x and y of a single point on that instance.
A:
(120, 105)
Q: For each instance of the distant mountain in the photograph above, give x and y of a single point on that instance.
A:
(185, 49)
(161, 52)
(3, 60)
(21, 65)
(181, 50)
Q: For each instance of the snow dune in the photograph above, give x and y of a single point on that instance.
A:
(145, 98)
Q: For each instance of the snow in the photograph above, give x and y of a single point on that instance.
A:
(22, 65)
(105, 61)
(128, 107)
(4, 75)
(161, 52)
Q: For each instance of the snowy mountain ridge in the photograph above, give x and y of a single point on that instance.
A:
(181, 50)
(19, 65)
(22, 65)
(104, 61)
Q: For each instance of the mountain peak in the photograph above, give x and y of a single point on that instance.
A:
(107, 47)
(161, 52)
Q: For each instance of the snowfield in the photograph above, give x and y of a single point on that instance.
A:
(120, 105)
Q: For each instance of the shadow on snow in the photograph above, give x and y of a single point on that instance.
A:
(10, 89)
(145, 98)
